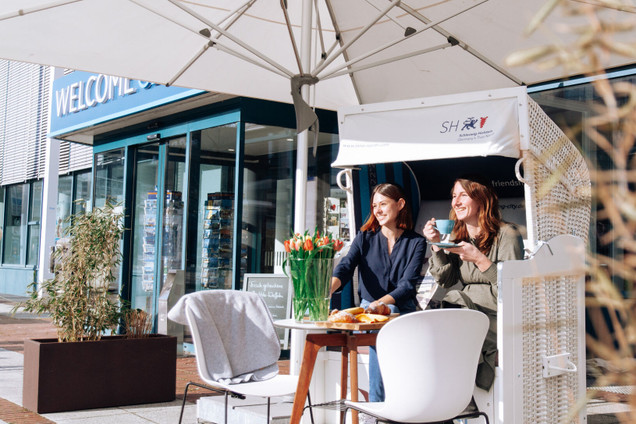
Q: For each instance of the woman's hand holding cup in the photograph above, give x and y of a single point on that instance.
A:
(430, 231)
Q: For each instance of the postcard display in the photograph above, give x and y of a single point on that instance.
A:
(172, 236)
(216, 260)
(337, 217)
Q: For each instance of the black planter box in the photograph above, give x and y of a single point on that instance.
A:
(114, 371)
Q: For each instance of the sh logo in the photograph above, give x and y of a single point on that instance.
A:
(469, 123)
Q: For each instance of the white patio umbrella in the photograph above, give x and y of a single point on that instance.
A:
(347, 51)
(425, 47)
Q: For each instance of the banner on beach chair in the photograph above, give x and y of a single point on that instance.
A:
(474, 124)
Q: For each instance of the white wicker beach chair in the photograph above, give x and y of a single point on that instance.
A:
(549, 306)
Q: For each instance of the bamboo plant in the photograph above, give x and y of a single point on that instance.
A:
(77, 298)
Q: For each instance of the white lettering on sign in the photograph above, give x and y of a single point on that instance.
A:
(97, 89)
(267, 289)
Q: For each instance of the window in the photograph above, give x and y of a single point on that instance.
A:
(109, 177)
(268, 194)
(21, 211)
(571, 106)
(73, 196)
(81, 192)
(215, 224)
(33, 224)
(15, 224)
(64, 201)
(1, 219)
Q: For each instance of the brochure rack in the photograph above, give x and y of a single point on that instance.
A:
(150, 231)
(172, 231)
(216, 261)
(172, 236)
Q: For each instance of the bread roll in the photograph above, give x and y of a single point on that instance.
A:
(379, 309)
(341, 316)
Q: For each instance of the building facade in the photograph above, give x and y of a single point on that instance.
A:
(206, 180)
(24, 117)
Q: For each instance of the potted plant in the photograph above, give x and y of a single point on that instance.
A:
(83, 368)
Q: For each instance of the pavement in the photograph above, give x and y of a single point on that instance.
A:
(608, 409)
(15, 328)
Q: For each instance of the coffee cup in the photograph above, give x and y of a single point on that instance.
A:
(444, 226)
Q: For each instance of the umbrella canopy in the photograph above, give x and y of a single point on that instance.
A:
(362, 51)
(347, 51)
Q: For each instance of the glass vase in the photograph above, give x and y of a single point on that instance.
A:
(311, 279)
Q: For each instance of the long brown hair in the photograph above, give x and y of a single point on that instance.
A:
(392, 191)
(480, 191)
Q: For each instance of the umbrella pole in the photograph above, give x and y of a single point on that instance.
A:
(300, 205)
(302, 139)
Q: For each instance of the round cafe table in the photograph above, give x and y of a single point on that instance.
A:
(346, 336)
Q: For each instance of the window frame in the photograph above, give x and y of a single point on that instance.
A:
(25, 225)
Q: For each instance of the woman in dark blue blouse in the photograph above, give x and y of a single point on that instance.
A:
(389, 256)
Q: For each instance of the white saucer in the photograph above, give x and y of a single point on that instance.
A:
(445, 245)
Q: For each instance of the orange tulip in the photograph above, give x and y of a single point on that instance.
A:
(295, 244)
(337, 245)
(287, 246)
(322, 241)
(308, 245)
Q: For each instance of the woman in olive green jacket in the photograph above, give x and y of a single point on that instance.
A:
(483, 239)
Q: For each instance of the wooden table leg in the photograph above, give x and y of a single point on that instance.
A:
(349, 344)
(304, 379)
(353, 366)
(313, 343)
(353, 341)
(343, 376)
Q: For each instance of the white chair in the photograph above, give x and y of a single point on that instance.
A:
(429, 362)
(238, 340)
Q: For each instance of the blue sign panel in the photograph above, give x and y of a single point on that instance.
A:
(82, 99)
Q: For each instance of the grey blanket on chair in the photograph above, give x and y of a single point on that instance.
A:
(238, 339)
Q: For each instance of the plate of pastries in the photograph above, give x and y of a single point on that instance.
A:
(358, 318)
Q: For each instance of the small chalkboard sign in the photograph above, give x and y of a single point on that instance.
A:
(276, 291)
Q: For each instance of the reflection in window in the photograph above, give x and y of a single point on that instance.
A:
(81, 192)
(268, 194)
(270, 157)
(1, 218)
(326, 202)
(15, 223)
(35, 208)
(64, 201)
(109, 177)
(144, 246)
(73, 196)
(215, 227)
(570, 107)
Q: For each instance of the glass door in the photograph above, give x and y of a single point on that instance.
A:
(144, 243)
(157, 245)
(174, 178)
(215, 170)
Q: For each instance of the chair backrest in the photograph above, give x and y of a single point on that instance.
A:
(233, 335)
(429, 361)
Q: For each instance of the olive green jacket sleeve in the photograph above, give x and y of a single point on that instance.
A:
(448, 269)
